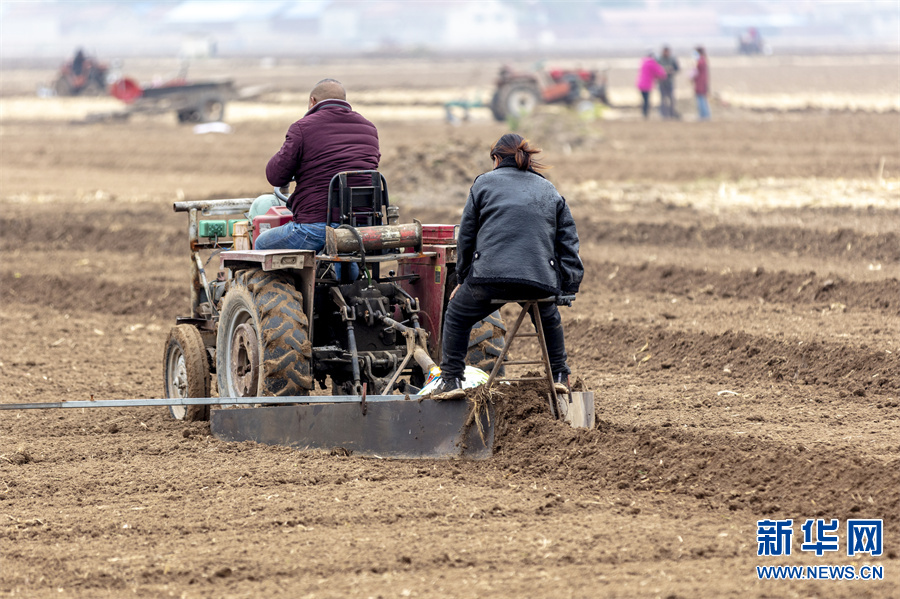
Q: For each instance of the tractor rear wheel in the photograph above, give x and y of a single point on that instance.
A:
(497, 106)
(262, 346)
(488, 336)
(209, 109)
(517, 100)
(486, 341)
(186, 371)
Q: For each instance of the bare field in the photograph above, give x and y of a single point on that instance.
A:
(739, 324)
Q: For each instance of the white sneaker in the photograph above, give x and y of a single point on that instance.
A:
(450, 388)
(561, 383)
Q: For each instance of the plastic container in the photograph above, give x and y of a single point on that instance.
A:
(241, 235)
(274, 217)
(232, 222)
(439, 234)
(212, 228)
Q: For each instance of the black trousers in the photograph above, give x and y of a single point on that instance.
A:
(473, 303)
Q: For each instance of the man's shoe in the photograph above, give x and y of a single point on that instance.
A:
(450, 388)
(561, 383)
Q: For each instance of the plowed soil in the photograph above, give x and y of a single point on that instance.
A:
(739, 324)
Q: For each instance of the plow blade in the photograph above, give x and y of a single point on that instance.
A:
(577, 409)
(385, 427)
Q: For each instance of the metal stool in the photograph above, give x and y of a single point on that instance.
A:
(513, 332)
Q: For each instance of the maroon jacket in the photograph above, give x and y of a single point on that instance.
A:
(701, 78)
(329, 139)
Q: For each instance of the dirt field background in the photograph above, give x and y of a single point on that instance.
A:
(739, 324)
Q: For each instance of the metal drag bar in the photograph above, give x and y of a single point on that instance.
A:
(208, 401)
(208, 207)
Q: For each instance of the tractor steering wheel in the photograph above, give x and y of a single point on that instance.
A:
(283, 193)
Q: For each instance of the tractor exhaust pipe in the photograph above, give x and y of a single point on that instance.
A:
(387, 237)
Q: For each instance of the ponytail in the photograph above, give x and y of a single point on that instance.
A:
(514, 145)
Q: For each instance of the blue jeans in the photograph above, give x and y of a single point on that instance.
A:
(473, 303)
(297, 236)
(702, 107)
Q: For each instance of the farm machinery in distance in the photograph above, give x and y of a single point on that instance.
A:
(519, 93)
(81, 76)
(192, 102)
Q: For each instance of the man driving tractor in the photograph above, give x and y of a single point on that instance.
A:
(329, 139)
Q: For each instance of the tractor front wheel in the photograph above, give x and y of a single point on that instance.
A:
(262, 345)
(62, 87)
(186, 371)
(497, 109)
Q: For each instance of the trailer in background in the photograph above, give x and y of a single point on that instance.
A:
(197, 102)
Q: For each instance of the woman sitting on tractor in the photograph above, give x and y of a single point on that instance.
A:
(517, 241)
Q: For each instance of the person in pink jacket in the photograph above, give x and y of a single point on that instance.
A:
(647, 76)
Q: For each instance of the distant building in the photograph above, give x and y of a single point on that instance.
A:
(402, 25)
(472, 25)
(275, 28)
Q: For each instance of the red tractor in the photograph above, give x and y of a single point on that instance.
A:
(276, 322)
(519, 93)
(750, 42)
(81, 76)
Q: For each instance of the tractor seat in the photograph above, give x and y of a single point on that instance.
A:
(358, 205)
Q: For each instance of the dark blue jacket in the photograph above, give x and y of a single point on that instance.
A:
(516, 228)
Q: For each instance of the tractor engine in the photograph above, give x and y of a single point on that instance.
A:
(357, 331)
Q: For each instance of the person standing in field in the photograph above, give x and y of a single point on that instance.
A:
(667, 85)
(649, 73)
(700, 77)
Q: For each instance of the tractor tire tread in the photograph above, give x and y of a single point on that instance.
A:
(285, 349)
(496, 320)
(486, 342)
(284, 326)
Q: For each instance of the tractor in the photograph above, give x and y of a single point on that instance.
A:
(750, 42)
(276, 323)
(81, 76)
(362, 320)
(519, 93)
